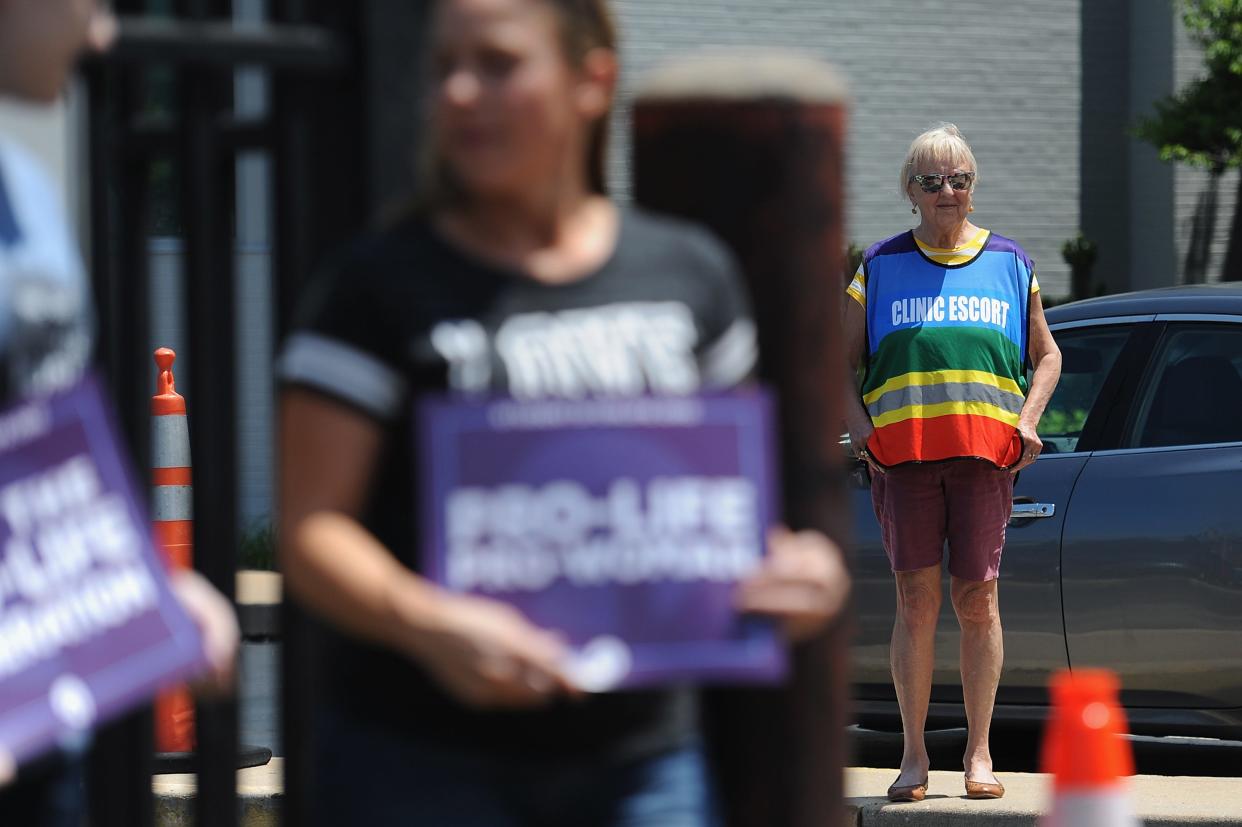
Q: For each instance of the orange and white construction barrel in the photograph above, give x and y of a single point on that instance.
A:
(1086, 753)
(172, 519)
(172, 509)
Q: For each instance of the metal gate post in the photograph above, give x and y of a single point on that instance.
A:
(306, 134)
(751, 144)
(120, 764)
(207, 203)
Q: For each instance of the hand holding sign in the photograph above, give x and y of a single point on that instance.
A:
(624, 524)
(88, 626)
(213, 614)
(803, 583)
(486, 654)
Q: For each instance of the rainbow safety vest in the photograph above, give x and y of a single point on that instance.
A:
(946, 349)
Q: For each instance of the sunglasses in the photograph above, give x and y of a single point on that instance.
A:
(934, 182)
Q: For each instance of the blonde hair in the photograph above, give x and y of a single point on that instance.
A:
(940, 143)
(584, 25)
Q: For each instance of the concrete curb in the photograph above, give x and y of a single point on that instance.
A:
(1158, 801)
(258, 604)
(260, 792)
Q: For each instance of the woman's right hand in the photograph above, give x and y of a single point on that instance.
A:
(482, 652)
(486, 654)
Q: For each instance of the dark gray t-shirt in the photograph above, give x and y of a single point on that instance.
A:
(404, 312)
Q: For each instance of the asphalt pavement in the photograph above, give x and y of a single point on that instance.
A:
(1018, 751)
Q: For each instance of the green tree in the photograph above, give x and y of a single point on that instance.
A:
(1201, 125)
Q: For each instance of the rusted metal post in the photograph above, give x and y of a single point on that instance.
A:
(751, 144)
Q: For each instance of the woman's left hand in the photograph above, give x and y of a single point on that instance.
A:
(1032, 446)
(802, 583)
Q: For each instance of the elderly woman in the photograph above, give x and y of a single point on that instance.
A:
(948, 317)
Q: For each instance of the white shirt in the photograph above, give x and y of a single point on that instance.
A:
(45, 320)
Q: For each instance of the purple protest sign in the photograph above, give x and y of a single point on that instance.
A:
(623, 524)
(88, 627)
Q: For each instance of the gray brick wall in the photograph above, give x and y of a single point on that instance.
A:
(1006, 72)
(1149, 199)
(1191, 184)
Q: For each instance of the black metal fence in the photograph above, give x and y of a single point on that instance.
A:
(164, 141)
(165, 138)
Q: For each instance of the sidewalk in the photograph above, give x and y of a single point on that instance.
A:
(1159, 801)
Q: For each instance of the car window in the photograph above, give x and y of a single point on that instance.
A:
(1193, 393)
(1087, 356)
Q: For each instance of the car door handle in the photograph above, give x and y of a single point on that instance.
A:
(1027, 511)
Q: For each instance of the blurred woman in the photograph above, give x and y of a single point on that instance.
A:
(513, 267)
(946, 318)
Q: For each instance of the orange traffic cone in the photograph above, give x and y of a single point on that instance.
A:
(1086, 754)
(174, 529)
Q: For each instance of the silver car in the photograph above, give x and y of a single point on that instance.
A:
(1125, 546)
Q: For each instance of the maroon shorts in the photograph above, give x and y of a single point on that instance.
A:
(921, 505)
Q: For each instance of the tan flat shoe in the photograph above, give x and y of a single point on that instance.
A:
(910, 792)
(981, 790)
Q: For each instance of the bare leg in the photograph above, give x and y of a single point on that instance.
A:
(982, 654)
(913, 654)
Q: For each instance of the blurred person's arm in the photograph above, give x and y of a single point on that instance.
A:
(481, 651)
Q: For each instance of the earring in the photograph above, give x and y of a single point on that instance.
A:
(971, 208)
(914, 211)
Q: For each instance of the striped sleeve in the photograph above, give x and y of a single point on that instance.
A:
(858, 287)
(342, 370)
(730, 349)
(1034, 283)
(731, 359)
(343, 348)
